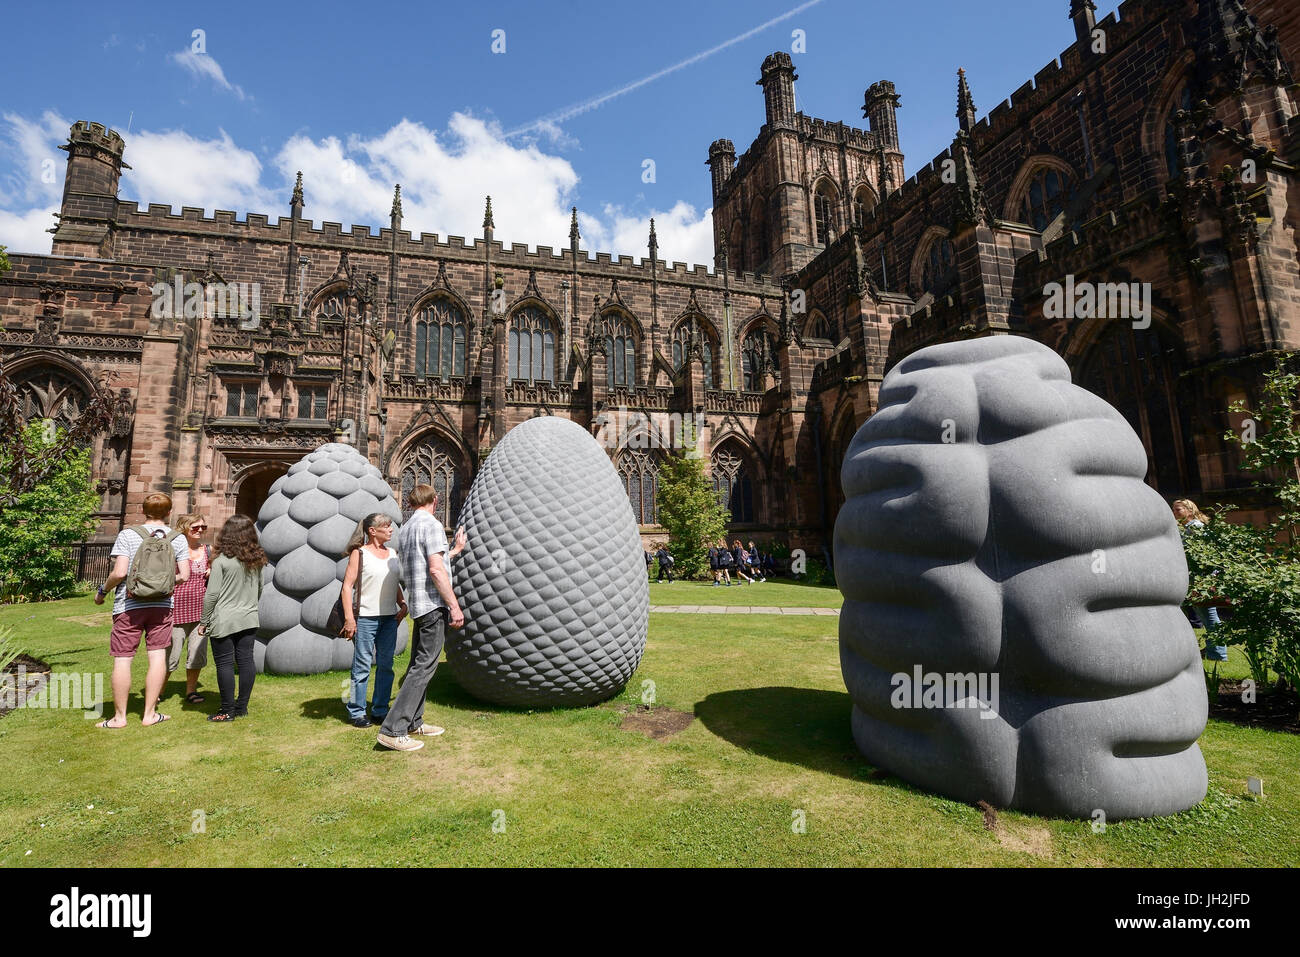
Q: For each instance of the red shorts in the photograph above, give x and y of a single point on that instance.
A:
(154, 623)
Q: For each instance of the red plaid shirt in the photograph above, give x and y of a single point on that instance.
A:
(187, 599)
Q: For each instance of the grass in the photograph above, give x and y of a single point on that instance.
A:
(773, 592)
(293, 785)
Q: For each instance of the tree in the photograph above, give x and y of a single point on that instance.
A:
(43, 521)
(689, 509)
(1257, 568)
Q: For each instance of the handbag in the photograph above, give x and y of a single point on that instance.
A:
(334, 624)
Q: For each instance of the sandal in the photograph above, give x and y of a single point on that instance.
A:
(110, 727)
(195, 698)
(161, 718)
(221, 716)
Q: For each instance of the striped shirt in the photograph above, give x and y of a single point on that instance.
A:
(421, 537)
(128, 543)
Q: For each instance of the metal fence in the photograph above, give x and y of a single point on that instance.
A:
(91, 560)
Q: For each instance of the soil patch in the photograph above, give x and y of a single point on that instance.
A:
(657, 724)
(1274, 710)
(33, 675)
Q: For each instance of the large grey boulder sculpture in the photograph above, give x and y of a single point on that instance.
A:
(305, 524)
(1011, 628)
(553, 580)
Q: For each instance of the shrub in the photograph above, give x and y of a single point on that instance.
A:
(43, 522)
(689, 510)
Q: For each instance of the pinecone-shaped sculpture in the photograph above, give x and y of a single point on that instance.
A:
(1011, 628)
(553, 580)
(305, 524)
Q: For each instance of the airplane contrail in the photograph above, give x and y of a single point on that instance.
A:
(587, 105)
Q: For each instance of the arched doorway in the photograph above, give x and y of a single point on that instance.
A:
(254, 487)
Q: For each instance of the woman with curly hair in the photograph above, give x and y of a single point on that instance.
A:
(230, 612)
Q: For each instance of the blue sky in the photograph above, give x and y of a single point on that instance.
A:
(360, 96)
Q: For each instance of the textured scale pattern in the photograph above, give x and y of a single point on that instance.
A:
(552, 581)
(997, 522)
(304, 525)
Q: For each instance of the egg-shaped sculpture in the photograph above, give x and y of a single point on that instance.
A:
(304, 525)
(552, 580)
(1011, 630)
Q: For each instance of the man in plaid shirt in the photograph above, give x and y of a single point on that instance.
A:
(426, 574)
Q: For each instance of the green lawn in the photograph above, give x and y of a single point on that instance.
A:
(293, 785)
(774, 591)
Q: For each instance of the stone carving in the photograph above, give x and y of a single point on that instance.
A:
(1011, 629)
(305, 524)
(553, 580)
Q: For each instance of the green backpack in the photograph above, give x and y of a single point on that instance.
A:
(153, 570)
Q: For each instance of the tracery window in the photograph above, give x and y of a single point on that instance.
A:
(440, 340)
(682, 347)
(732, 484)
(532, 345)
(620, 352)
(332, 308)
(818, 327)
(939, 268)
(824, 203)
(1048, 193)
(46, 393)
(1137, 371)
(1182, 100)
(757, 357)
(639, 472)
(862, 205)
(432, 463)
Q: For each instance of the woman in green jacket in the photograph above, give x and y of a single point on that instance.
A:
(230, 612)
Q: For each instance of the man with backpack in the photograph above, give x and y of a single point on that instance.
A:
(149, 560)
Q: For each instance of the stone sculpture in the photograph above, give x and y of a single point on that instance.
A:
(1011, 629)
(305, 524)
(553, 580)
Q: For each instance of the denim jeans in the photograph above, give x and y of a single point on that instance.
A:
(1209, 616)
(374, 643)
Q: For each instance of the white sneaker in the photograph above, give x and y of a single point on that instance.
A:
(429, 730)
(401, 743)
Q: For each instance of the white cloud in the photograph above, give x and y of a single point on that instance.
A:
(445, 175)
(204, 66)
(26, 232)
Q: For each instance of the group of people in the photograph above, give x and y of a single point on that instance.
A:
(750, 565)
(180, 597)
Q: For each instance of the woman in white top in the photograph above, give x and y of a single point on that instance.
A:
(374, 569)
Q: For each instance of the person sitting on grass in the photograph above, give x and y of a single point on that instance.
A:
(148, 613)
(230, 612)
(374, 568)
(187, 608)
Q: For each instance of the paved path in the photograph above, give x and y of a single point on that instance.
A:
(741, 610)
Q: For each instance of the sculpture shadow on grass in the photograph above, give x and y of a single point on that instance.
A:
(803, 726)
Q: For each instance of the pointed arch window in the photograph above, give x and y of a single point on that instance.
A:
(532, 345)
(1181, 100)
(440, 340)
(1046, 197)
(818, 327)
(332, 308)
(46, 393)
(863, 203)
(732, 484)
(1137, 371)
(682, 349)
(825, 201)
(939, 269)
(433, 463)
(639, 472)
(757, 358)
(620, 352)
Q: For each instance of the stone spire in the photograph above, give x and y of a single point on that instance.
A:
(965, 103)
(654, 242)
(295, 201)
(487, 215)
(574, 235)
(972, 209)
(395, 214)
